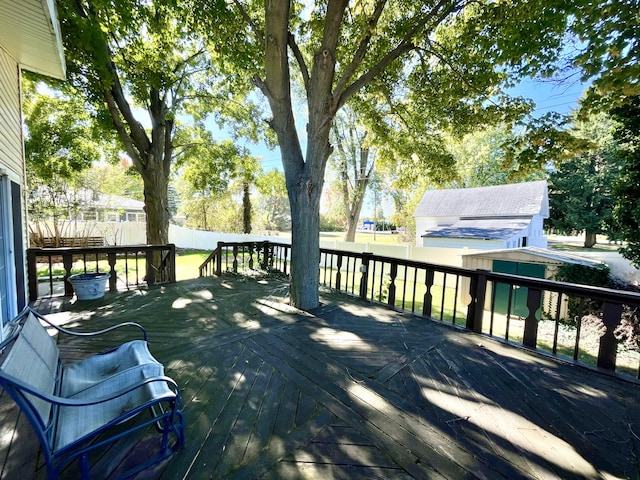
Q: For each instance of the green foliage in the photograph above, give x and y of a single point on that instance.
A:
(273, 211)
(626, 191)
(331, 224)
(60, 139)
(580, 189)
(607, 34)
(584, 275)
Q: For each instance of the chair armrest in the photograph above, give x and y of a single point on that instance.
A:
(87, 334)
(70, 402)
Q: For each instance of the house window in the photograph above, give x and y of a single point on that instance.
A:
(110, 217)
(142, 217)
(90, 216)
(131, 217)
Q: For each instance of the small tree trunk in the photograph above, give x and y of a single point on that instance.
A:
(246, 208)
(352, 226)
(589, 239)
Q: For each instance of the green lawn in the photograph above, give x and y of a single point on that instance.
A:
(187, 263)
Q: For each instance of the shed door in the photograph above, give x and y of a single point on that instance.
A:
(519, 295)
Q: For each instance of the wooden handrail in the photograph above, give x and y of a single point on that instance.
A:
(423, 289)
(160, 264)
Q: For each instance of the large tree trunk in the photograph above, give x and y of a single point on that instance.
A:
(305, 247)
(304, 175)
(156, 203)
(589, 239)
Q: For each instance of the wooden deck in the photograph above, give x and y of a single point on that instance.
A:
(351, 391)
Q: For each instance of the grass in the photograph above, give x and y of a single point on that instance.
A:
(187, 263)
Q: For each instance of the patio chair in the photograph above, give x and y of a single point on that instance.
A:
(74, 409)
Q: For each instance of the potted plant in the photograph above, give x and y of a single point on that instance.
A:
(89, 286)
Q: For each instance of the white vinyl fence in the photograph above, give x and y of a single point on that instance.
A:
(134, 233)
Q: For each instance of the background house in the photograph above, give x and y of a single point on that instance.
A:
(484, 218)
(30, 40)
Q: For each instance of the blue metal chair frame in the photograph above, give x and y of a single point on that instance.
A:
(164, 409)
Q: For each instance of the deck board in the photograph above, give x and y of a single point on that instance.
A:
(350, 390)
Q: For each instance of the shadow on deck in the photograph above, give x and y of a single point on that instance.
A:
(351, 390)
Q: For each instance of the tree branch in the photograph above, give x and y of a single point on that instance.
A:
(247, 18)
(304, 70)
(440, 11)
(361, 51)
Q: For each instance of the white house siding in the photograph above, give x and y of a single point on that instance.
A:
(11, 156)
(12, 295)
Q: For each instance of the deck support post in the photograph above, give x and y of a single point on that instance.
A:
(478, 292)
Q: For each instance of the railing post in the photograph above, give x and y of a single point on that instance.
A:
(364, 279)
(608, 349)
(111, 256)
(530, 338)
(219, 259)
(338, 274)
(32, 275)
(478, 292)
(172, 263)
(67, 262)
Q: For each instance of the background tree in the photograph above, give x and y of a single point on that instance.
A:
(212, 171)
(61, 141)
(143, 63)
(354, 162)
(444, 60)
(580, 189)
(273, 202)
(626, 191)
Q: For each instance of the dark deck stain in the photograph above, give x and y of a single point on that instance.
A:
(351, 390)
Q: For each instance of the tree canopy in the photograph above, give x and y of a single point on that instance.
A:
(144, 66)
(626, 191)
(580, 189)
(413, 68)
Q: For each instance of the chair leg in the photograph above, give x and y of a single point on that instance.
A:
(84, 465)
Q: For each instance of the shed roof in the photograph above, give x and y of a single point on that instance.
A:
(486, 229)
(30, 33)
(512, 200)
(544, 254)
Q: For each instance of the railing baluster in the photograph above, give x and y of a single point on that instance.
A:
(556, 326)
(392, 286)
(428, 297)
(530, 338)
(608, 348)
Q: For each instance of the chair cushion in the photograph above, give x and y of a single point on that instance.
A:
(74, 423)
(97, 368)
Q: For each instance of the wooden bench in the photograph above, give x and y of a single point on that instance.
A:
(73, 408)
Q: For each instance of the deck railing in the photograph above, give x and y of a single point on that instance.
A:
(238, 256)
(582, 324)
(130, 266)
